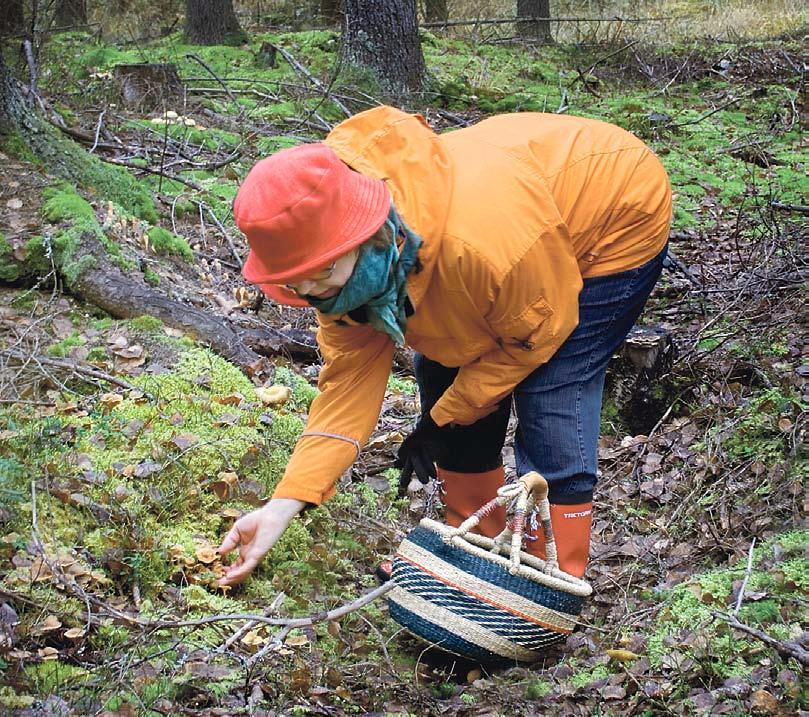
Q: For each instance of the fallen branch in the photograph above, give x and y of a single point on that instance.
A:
(300, 69)
(747, 572)
(509, 20)
(785, 648)
(800, 208)
(192, 56)
(75, 367)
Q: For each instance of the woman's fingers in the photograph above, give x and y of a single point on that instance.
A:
(231, 540)
(238, 572)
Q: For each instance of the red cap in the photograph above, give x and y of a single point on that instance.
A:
(300, 209)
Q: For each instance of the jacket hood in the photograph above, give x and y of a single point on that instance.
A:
(401, 149)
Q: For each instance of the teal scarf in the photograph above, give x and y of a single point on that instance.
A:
(378, 282)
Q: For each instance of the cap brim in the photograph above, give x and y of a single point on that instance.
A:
(281, 295)
(358, 223)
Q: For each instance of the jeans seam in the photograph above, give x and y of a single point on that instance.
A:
(627, 292)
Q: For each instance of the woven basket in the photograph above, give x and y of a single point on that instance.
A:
(482, 598)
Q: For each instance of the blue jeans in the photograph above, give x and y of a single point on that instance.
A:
(558, 406)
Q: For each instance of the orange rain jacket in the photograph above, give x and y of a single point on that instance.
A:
(514, 212)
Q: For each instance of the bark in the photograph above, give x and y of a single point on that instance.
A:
(436, 10)
(70, 13)
(105, 286)
(383, 36)
(11, 17)
(211, 22)
(535, 29)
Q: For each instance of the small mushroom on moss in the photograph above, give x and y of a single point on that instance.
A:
(274, 395)
(207, 555)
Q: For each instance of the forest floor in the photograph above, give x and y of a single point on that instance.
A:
(127, 449)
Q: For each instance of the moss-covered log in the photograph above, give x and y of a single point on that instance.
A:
(90, 265)
(25, 133)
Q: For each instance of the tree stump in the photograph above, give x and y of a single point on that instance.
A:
(637, 391)
(147, 86)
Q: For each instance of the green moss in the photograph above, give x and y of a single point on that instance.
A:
(13, 700)
(164, 242)
(537, 689)
(147, 324)
(52, 676)
(63, 204)
(303, 393)
(9, 268)
(273, 144)
(407, 386)
(689, 607)
(585, 677)
(151, 277)
(62, 348)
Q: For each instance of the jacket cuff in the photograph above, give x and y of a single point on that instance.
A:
(293, 489)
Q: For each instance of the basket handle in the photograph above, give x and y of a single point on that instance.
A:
(529, 490)
(535, 492)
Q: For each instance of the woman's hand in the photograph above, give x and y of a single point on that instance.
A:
(254, 534)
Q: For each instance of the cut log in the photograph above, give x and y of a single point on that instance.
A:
(649, 349)
(637, 391)
(148, 86)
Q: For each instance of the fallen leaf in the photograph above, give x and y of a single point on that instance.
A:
(147, 468)
(233, 399)
(619, 655)
(763, 703)
(185, 440)
(14, 203)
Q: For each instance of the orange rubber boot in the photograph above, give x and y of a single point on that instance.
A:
(464, 493)
(571, 531)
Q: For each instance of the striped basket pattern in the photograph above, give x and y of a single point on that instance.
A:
(477, 597)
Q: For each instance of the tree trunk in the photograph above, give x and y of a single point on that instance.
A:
(330, 10)
(211, 22)
(11, 17)
(537, 29)
(436, 11)
(70, 13)
(383, 36)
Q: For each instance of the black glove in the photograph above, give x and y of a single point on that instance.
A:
(418, 452)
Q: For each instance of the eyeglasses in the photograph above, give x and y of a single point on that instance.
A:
(320, 276)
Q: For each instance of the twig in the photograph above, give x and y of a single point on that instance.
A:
(283, 622)
(192, 56)
(300, 69)
(98, 131)
(785, 648)
(746, 578)
(583, 75)
(508, 20)
(244, 629)
(75, 367)
(800, 208)
(224, 232)
(277, 639)
(32, 67)
(149, 170)
(721, 107)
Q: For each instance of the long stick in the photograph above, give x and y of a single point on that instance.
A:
(298, 67)
(508, 20)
